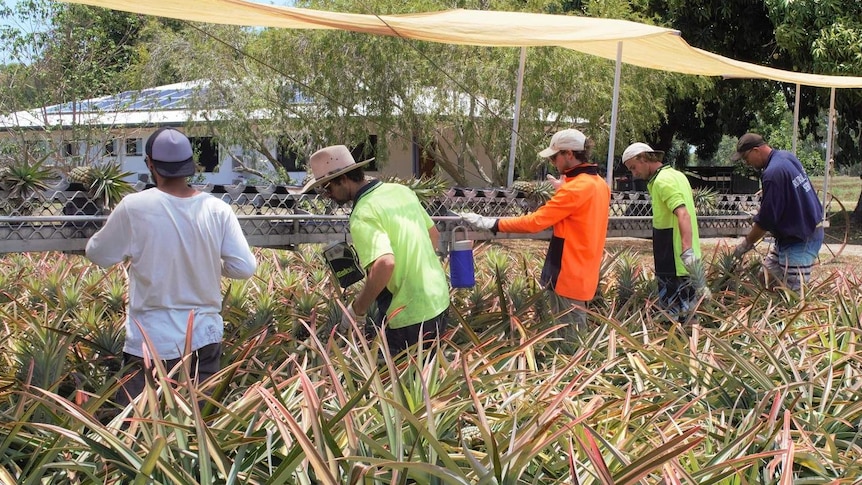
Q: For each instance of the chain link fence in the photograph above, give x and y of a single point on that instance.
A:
(277, 217)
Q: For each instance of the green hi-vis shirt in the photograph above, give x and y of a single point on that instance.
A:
(388, 219)
(669, 188)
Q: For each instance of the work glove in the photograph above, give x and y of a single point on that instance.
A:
(688, 258)
(479, 222)
(742, 248)
(556, 182)
(349, 317)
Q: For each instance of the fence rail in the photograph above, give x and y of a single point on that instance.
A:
(63, 220)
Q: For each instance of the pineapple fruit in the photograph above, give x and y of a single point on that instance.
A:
(471, 437)
(540, 191)
(81, 175)
(524, 186)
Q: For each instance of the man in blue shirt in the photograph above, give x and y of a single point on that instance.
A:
(789, 209)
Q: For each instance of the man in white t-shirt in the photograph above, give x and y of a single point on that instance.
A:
(179, 242)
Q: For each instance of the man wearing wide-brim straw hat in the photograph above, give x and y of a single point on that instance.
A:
(395, 241)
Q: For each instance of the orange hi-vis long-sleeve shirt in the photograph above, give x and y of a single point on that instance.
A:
(578, 212)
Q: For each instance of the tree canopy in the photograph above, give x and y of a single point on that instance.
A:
(412, 92)
(824, 36)
(70, 52)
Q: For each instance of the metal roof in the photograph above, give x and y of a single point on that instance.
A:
(160, 98)
(170, 104)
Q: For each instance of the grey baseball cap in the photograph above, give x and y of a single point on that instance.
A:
(171, 153)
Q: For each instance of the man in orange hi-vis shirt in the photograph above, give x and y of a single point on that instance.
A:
(578, 212)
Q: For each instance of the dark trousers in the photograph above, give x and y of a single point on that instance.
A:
(206, 361)
(428, 331)
(676, 293)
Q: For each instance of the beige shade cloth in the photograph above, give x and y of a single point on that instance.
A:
(643, 45)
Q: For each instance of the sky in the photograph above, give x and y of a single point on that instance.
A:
(14, 22)
(4, 54)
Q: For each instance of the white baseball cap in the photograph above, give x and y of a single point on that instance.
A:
(638, 148)
(568, 139)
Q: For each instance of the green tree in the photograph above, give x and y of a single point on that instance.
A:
(454, 102)
(824, 37)
(63, 53)
(739, 29)
(807, 36)
(70, 52)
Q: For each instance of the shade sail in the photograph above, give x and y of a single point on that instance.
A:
(643, 45)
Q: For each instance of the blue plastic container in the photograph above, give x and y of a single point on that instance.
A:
(462, 273)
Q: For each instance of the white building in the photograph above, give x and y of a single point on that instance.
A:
(115, 128)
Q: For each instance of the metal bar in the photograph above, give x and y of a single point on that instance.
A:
(510, 178)
(829, 142)
(614, 110)
(73, 238)
(20, 221)
(287, 226)
(796, 119)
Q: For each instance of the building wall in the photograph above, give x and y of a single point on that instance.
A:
(402, 160)
(403, 163)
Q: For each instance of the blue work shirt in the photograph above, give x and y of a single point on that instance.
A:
(789, 208)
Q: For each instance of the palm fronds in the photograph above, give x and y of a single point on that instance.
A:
(425, 188)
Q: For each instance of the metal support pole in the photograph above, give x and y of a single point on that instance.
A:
(510, 179)
(830, 137)
(614, 108)
(796, 118)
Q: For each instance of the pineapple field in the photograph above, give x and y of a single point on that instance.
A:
(755, 387)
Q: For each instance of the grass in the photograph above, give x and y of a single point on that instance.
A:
(846, 190)
(843, 187)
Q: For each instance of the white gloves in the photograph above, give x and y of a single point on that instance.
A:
(349, 317)
(479, 222)
(556, 182)
(743, 248)
(688, 257)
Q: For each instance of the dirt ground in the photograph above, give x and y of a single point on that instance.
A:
(833, 256)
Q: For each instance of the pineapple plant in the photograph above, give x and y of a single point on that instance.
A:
(23, 183)
(105, 185)
(108, 184)
(777, 374)
(705, 200)
(629, 277)
(426, 188)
